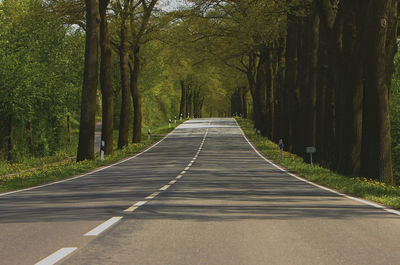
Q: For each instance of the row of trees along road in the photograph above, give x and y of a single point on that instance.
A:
(310, 72)
(133, 17)
(134, 24)
(42, 54)
(319, 73)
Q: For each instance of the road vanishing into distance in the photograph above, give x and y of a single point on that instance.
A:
(202, 195)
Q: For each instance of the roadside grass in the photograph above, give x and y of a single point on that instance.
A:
(360, 187)
(64, 169)
(28, 163)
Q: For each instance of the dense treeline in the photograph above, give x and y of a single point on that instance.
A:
(339, 63)
(319, 73)
(40, 76)
(132, 83)
(311, 72)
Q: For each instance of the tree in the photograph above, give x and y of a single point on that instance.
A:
(89, 88)
(105, 80)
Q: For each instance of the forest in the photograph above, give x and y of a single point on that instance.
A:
(320, 73)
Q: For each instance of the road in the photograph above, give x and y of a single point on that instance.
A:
(200, 196)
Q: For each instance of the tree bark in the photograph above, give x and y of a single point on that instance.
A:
(137, 101)
(291, 88)
(260, 93)
(352, 86)
(311, 99)
(125, 76)
(90, 79)
(182, 108)
(376, 158)
(244, 101)
(107, 127)
(68, 128)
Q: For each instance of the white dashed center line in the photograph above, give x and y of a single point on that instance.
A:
(151, 196)
(63, 252)
(56, 256)
(165, 187)
(104, 226)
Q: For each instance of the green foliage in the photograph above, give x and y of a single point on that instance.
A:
(395, 117)
(40, 73)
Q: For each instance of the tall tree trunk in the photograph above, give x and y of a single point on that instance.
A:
(260, 92)
(68, 128)
(182, 108)
(90, 79)
(376, 149)
(125, 76)
(107, 127)
(311, 116)
(270, 93)
(137, 101)
(280, 113)
(189, 100)
(291, 88)
(352, 86)
(244, 101)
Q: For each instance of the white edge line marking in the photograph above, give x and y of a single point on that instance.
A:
(56, 256)
(315, 184)
(183, 172)
(94, 171)
(179, 176)
(165, 187)
(172, 182)
(187, 168)
(190, 164)
(102, 227)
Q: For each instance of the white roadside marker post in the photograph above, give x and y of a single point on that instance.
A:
(169, 123)
(148, 134)
(281, 146)
(102, 150)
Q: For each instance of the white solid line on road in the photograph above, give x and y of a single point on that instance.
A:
(151, 196)
(183, 172)
(392, 211)
(315, 184)
(56, 256)
(165, 187)
(178, 177)
(100, 228)
(172, 182)
(91, 172)
(131, 209)
(187, 168)
(190, 164)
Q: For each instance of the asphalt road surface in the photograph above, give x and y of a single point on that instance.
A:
(200, 196)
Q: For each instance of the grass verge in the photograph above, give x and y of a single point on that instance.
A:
(359, 187)
(69, 168)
